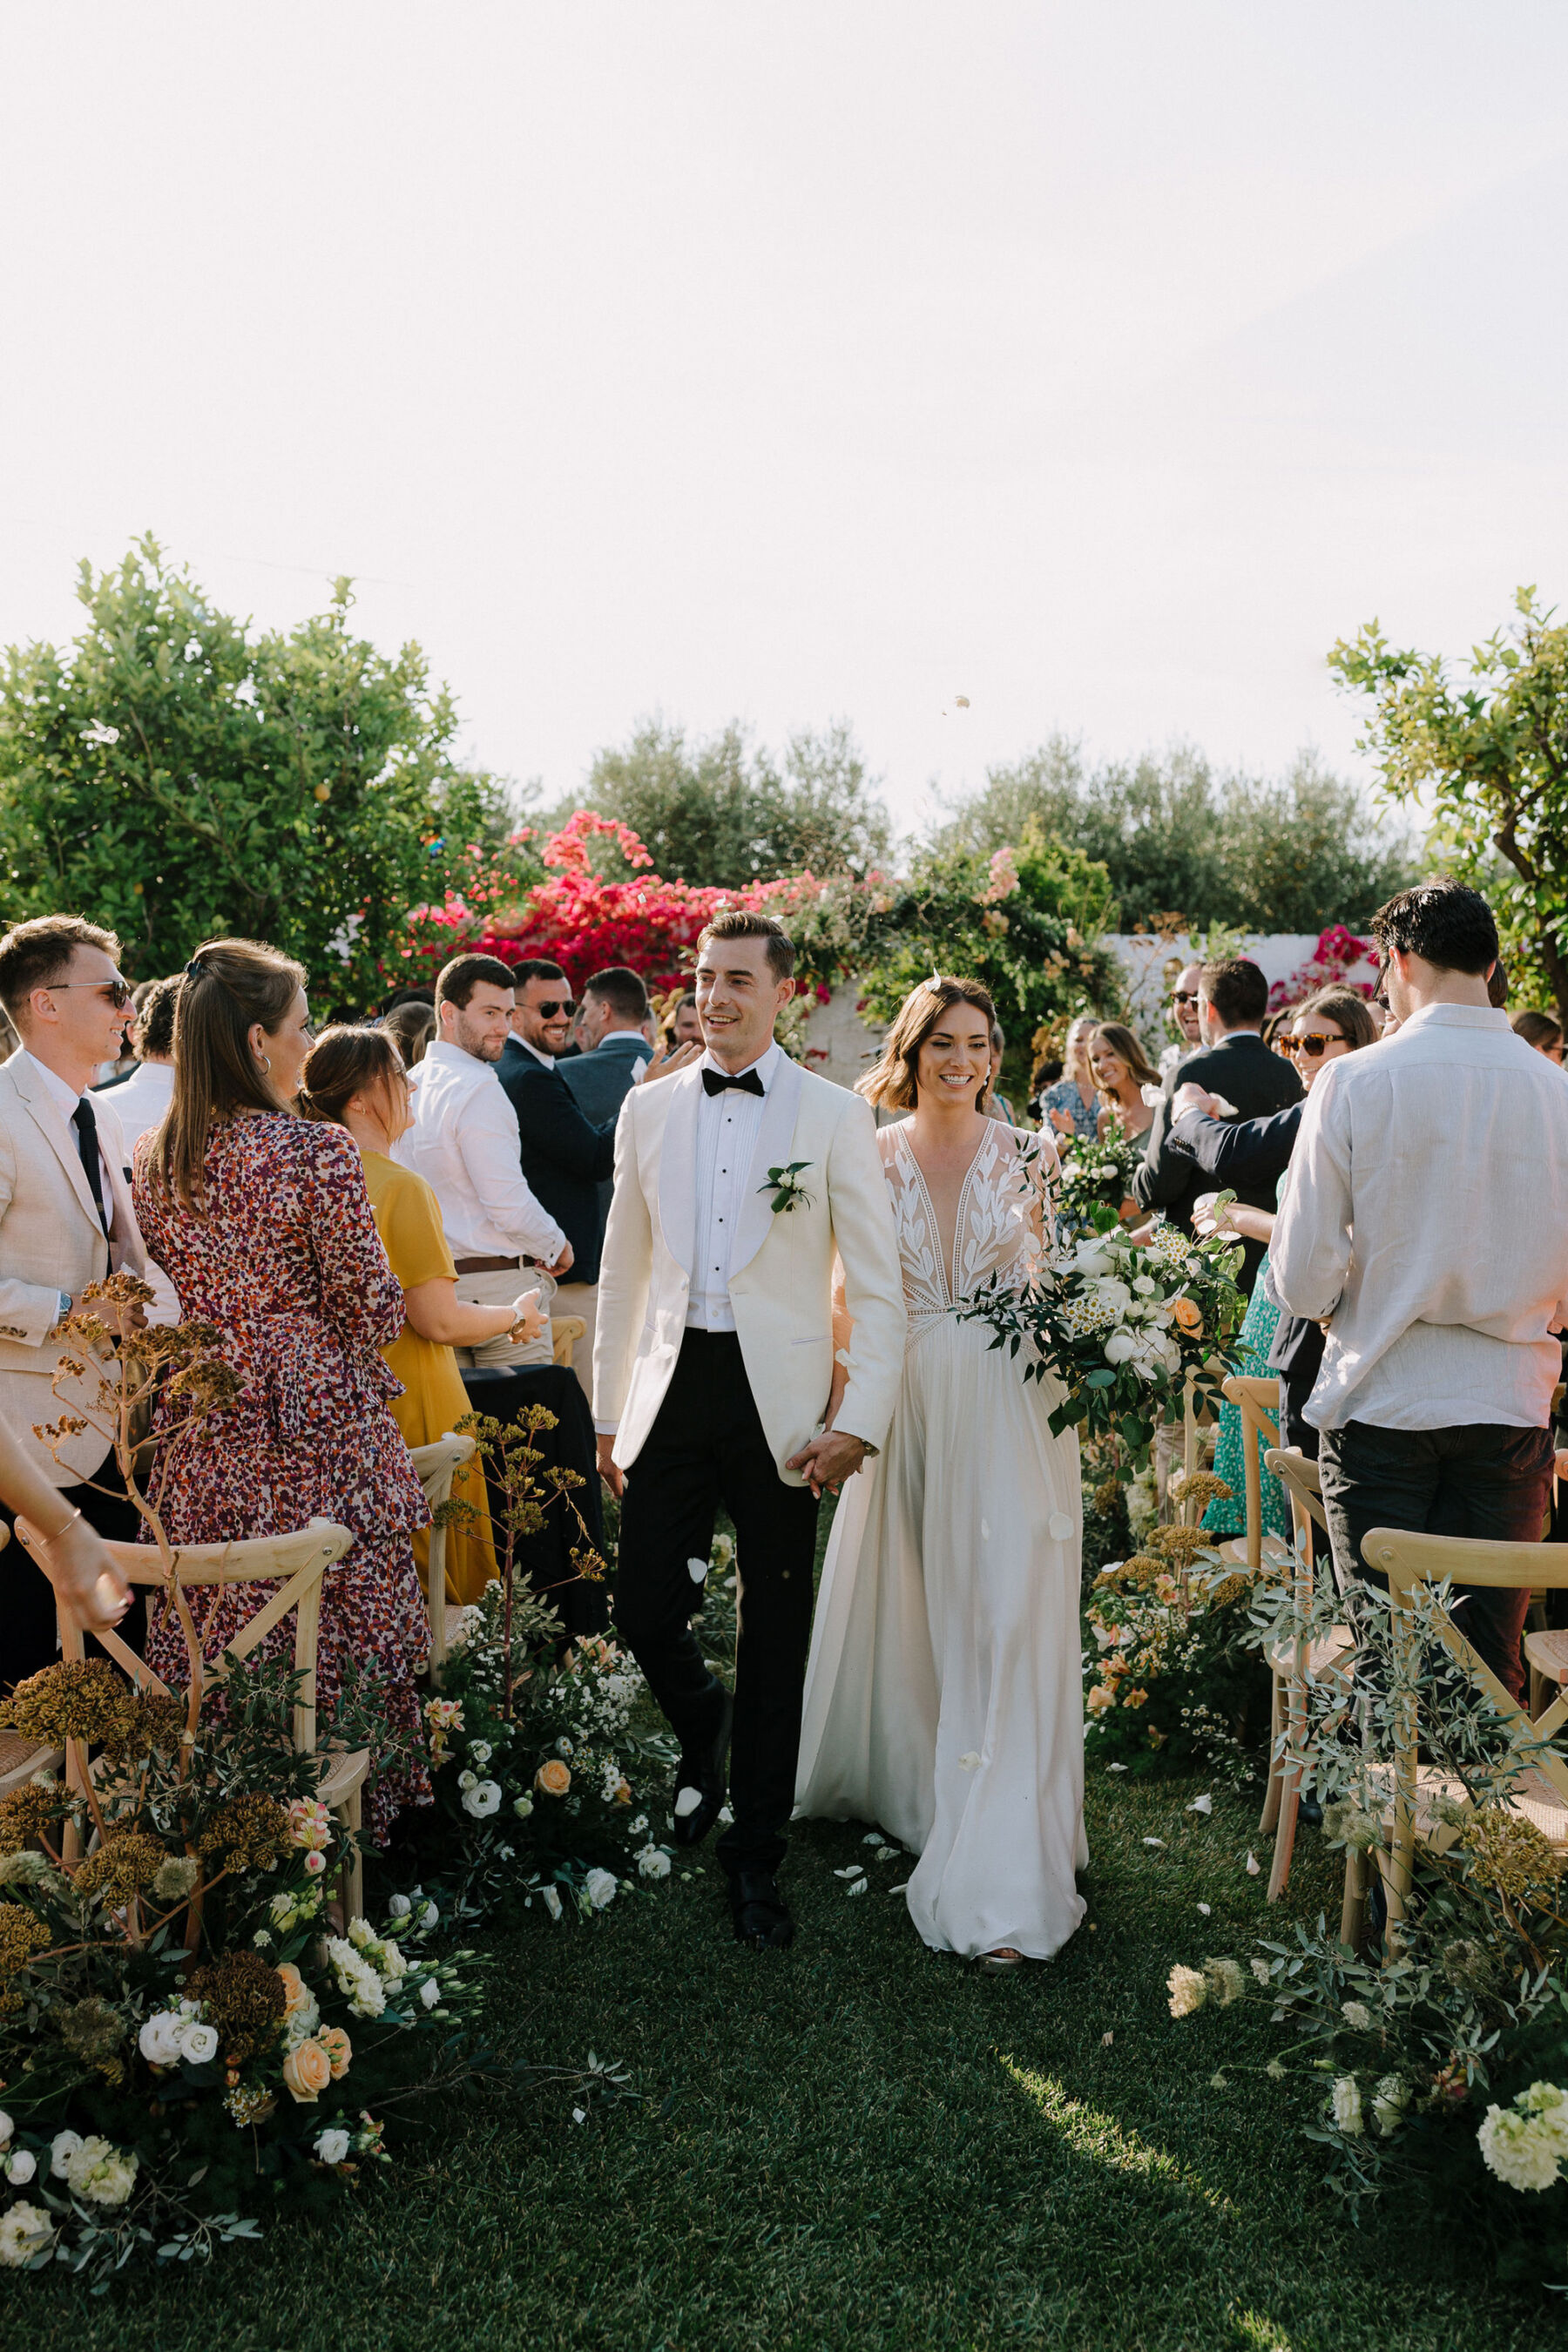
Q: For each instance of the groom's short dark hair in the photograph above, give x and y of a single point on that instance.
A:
(739, 923)
(1445, 923)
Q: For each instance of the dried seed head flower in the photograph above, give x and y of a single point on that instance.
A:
(127, 1861)
(1198, 1486)
(24, 1813)
(92, 2031)
(1509, 1853)
(1104, 1499)
(250, 1832)
(243, 1999)
(21, 1935)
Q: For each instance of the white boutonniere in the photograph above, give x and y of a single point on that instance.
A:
(787, 1188)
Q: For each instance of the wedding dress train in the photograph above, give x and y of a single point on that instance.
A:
(944, 1699)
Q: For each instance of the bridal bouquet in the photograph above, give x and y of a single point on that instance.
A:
(1096, 1173)
(1121, 1328)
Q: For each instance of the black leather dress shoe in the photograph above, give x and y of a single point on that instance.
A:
(760, 1913)
(704, 1772)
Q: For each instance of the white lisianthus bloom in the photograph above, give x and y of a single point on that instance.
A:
(429, 1914)
(19, 2166)
(653, 1862)
(429, 1993)
(333, 2147)
(100, 2172)
(356, 1979)
(522, 1807)
(1525, 2144)
(480, 1750)
(159, 2039)
(1389, 2102)
(198, 2042)
(483, 1800)
(551, 1898)
(399, 1907)
(600, 1888)
(1345, 2104)
(62, 2147)
(1120, 1348)
(467, 1780)
(6, 2127)
(25, 2232)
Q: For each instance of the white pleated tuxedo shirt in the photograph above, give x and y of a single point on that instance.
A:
(726, 1128)
(1426, 1217)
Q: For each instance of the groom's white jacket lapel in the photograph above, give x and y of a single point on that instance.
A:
(781, 1267)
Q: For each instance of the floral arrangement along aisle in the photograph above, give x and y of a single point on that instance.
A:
(187, 2035)
(1442, 2073)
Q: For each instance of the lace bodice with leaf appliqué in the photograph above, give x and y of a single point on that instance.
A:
(1002, 1228)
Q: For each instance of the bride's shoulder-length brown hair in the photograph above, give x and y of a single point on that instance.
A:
(889, 1084)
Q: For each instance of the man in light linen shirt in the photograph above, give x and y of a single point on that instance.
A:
(464, 1142)
(1426, 1220)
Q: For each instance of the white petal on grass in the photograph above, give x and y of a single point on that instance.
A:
(899, 1888)
(1252, 1866)
(1106, 2039)
(1116, 1767)
(1204, 1909)
(1203, 1805)
(1153, 1840)
(854, 1869)
(887, 1853)
(859, 1887)
(579, 2114)
(873, 1837)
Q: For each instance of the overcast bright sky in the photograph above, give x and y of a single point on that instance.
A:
(1102, 365)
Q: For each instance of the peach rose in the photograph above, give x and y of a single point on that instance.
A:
(296, 1992)
(553, 1779)
(307, 2071)
(1188, 1314)
(339, 2050)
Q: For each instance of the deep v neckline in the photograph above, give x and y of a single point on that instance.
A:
(947, 1259)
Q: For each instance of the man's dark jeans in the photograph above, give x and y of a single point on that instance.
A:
(1476, 1479)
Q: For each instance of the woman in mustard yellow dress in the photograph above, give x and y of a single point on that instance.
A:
(354, 1077)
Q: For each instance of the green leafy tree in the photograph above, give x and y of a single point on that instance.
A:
(1489, 756)
(718, 814)
(1187, 849)
(1024, 921)
(174, 777)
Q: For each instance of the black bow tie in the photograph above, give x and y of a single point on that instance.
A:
(714, 1082)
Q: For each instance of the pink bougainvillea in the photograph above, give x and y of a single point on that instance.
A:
(1331, 964)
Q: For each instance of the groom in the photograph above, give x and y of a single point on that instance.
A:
(712, 1364)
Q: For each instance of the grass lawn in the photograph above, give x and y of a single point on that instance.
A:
(856, 2143)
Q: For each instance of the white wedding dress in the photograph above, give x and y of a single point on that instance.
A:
(945, 1697)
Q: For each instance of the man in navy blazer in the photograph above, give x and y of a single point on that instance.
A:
(614, 1053)
(1233, 1063)
(565, 1155)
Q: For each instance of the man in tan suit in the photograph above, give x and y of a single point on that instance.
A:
(66, 1220)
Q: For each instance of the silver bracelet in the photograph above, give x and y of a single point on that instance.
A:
(48, 1541)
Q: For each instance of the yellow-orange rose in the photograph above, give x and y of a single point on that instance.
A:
(296, 1993)
(1188, 1314)
(307, 2071)
(339, 2050)
(553, 1779)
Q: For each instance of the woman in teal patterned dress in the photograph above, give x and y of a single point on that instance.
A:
(1320, 1032)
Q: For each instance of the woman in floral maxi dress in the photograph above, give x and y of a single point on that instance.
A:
(270, 1238)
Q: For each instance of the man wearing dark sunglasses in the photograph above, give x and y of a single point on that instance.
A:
(565, 1157)
(66, 1221)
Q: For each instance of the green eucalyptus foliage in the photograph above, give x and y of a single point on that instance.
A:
(1490, 757)
(174, 777)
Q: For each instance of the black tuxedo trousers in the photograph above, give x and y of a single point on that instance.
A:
(705, 1448)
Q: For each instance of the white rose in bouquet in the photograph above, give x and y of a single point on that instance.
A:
(25, 2232)
(333, 2147)
(653, 1862)
(19, 2166)
(62, 2147)
(198, 2042)
(159, 2039)
(483, 1800)
(600, 1887)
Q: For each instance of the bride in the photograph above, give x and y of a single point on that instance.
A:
(944, 1696)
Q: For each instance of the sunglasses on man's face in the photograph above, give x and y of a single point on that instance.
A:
(115, 992)
(1312, 1045)
(1185, 996)
(551, 1005)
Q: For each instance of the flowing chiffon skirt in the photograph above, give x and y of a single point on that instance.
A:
(944, 1694)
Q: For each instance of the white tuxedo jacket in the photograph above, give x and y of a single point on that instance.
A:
(50, 1241)
(781, 1278)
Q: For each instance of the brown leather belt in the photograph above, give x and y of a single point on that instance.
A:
(489, 1264)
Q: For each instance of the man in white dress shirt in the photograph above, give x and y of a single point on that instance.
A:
(66, 1221)
(140, 1102)
(1426, 1220)
(464, 1142)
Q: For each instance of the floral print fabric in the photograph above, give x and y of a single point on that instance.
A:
(286, 1262)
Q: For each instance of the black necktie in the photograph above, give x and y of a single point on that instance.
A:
(714, 1082)
(86, 1126)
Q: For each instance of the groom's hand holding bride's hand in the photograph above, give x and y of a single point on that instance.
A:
(610, 1470)
(828, 1461)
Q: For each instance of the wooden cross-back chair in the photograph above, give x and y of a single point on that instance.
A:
(1295, 1664)
(436, 1466)
(1414, 1790)
(299, 1560)
(565, 1331)
(1258, 1402)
